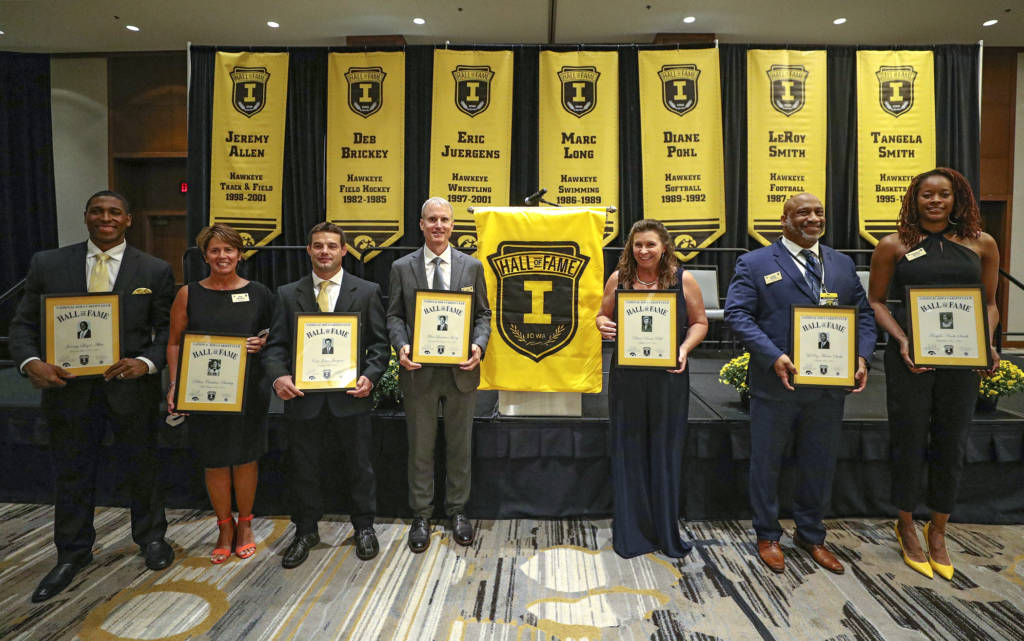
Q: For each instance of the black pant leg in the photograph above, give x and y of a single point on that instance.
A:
(909, 404)
(305, 446)
(955, 394)
(357, 433)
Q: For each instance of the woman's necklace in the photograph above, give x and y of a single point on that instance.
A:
(645, 283)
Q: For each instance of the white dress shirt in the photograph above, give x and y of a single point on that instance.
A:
(333, 288)
(446, 265)
(794, 252)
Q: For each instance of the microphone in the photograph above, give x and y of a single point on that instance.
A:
(537, 195)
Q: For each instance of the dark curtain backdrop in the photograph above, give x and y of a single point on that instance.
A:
(957, 125)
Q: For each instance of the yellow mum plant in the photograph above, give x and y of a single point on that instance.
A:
(735, 373)
(1008, 379)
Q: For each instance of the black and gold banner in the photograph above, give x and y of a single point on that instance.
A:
(471, 134)
(250, 92)
(681, 139)
(366, 147)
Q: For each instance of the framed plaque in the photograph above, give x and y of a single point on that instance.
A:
(948, 327)
(211, 374)
(824, 346)
(326, 351)
(442, 327)
(82, 332)
(646, 334)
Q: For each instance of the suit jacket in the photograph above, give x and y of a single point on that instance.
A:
(356, 295)
(467, 275)
(758, 312)
(145, 319)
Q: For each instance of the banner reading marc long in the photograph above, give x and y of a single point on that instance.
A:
(579, 130)
(787, 134)
(366, 147)
(681, 137)
(544, 272)
(250, 91)
(895, 133)
(471, 133)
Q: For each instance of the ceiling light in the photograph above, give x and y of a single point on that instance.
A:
(131, 27)
(839, 21)
(689, 19)
(272, 24)
(1, 33)
(419, 21)
(989, 23)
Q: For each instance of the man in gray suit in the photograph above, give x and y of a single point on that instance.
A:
(438, 265)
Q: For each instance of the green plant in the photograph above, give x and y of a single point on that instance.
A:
(387, 387)
(735, 373)
(1008, 379)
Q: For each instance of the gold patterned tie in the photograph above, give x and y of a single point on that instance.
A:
(323, 301)
(99, 278)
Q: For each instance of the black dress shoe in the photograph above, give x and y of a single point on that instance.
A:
(299, 550)
(57, 579)
(158, 555)
(419, 535)
(366, 543)
(462, 529)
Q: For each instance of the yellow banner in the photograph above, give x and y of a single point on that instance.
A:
(787, 133)
(250, 91)
(579, 131)
(471, 133)
(895, 133)
(681, 141)
(544, 272)
(366, 148)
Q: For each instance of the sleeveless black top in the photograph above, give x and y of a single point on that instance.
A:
(943, 263)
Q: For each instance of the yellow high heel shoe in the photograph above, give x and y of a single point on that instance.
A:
(945, 571)
(921, 566)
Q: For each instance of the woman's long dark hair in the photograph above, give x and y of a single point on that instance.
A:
(668, 264)
(965, 217)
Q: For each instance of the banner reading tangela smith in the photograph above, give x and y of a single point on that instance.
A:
(471, 134)
(895, 133)
(681, 139)
(544, 272)
(579, 131)
(250, 91)
(787, 134)
(366, 148)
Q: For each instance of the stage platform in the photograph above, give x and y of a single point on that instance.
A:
(555, 467)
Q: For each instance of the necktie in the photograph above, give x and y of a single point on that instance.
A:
(438, 281)
(99, 277)
(812, 273)
(323, 300)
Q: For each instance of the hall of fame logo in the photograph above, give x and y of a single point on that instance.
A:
(579, 89)
(249, 89)
(787, 88)
(472, 88)
(365, 89)
(679, 87)
(896, 89)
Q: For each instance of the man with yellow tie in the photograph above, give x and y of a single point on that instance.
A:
(338, 418)
(77, 411)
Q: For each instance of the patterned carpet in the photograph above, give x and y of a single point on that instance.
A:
(522, 580)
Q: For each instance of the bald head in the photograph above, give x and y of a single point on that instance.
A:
(803, 219)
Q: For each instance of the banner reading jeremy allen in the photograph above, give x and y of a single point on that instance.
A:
(579, 131)
(787, 134)
(895, 133)
(471, 133)
(250, 91)
(681, 140)
(366, 148)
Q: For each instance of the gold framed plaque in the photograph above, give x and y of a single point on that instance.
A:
(824, 343)
(325, 354)
(82, 332)
(646, 333)
(442, 327)
(212, 370)
(948, 327)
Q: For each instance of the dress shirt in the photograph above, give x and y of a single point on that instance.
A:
(446, 265)
(333, 289)
(794, 252)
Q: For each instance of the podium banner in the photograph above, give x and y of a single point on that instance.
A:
(545, 277)
(787, 134)
(250, 92)
(471, 134)
(579, 131)
(366, 148)
(895, 133)
(681, 140)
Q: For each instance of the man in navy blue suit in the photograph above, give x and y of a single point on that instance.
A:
(796, 269)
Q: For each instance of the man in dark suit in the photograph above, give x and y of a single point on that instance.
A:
(437, 265)
(77, 411)
(795, 269)
(313, 418)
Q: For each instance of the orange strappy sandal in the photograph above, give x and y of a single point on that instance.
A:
(249, 549)
(220, 555)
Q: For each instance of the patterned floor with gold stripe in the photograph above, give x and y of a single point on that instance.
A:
(522, 580)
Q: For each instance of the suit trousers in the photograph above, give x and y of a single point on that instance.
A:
(308, 442)
(76, 435)
(813, 419)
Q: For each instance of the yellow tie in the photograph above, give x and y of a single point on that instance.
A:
(323, 301)
(99, 278)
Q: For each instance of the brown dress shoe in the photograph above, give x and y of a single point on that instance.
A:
(820, 554)
(771, 554)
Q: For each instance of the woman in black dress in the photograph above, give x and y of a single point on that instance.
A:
(939, 242)
(648, 408)
(227, 446)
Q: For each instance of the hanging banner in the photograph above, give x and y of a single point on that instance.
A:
(250, 92)
(579, 131)
(471, 134)
(787, 134)
(681, 141)
(895, 133)
(366, 148)
(544, 273)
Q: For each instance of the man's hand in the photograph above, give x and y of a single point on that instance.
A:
(862, 374)
(783, 368)
(44, 376)
(285, 388)
(404, 361)
(126, 368)
(474, 359)
(363, 387)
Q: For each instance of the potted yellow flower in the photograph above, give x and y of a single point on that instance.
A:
(735, 373)
(1008, 379)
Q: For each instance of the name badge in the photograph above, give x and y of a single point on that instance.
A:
(917, 253)
(772, 278)
(828, 299)
(240, 298)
